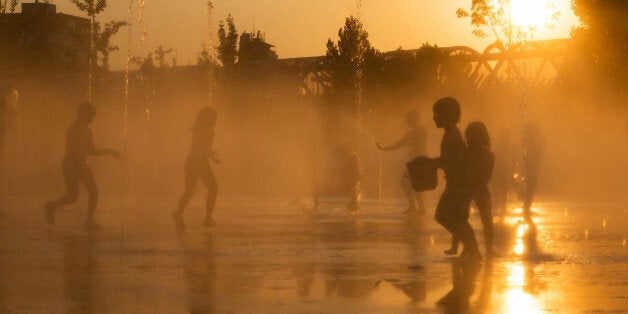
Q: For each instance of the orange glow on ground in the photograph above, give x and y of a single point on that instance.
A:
(516, 299)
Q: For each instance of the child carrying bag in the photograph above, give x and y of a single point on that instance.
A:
(423, 174)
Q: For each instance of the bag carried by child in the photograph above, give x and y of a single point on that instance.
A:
(423, 174)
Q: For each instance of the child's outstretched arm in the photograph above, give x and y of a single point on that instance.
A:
(92, 150)
(399, 144)
(106, 151)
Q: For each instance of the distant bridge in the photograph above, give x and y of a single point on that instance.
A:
(538, 63)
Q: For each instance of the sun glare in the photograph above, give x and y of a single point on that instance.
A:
(517, 300)
(531, 15)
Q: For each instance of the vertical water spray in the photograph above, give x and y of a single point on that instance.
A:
(149, 97)
(359, 65)
(381, 206)
(140, 20)
(127, 70)
(524, 119)
(359, 73)
(525, 123)
(91, 58)
(209, 49)
(125, 114)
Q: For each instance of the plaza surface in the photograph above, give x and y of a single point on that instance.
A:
(273, 257)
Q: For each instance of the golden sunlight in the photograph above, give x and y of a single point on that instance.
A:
(531, 15)
(517, 300)
(515, 220)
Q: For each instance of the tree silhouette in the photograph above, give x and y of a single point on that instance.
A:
(228, 38)
(92, 8)
(349, 63)
(102, 39)
(603, 35)
(160, 54)
(204, 59)
(409, 74)
(12, 5)
(492, 17)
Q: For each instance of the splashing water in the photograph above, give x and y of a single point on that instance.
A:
(358, 9)
(208, 47)
(358, 77)
(148, 117)
(125, 115)
(140, 20)
(127, 69)
(91, 60)
(360, 65)
(148, 104)
(381, 205)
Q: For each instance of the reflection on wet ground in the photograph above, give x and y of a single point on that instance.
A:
(271, 258)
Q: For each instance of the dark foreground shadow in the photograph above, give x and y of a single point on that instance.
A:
(198, 271)
(80, 259)
(463, 277)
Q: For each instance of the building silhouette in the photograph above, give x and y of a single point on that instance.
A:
(254, 48)
(40, 40)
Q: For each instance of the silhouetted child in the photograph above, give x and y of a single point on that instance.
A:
(197, 165)
(504, 171)
(353, 176)
(533, 150)
(414, 140)
(480, 169)
(452, 211)
(79, 145)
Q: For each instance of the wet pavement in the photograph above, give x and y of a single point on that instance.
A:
(271, 257)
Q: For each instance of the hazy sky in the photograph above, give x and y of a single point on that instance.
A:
(300, 28)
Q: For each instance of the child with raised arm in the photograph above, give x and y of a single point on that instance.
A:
(415, 143)
(452, 211)
(480, 169)
(197, 165)
(79, 145)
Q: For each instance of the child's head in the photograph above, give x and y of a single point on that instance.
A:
(206, 119)
(413, 118)
(446, 112)
(86, 111)
(477, 135)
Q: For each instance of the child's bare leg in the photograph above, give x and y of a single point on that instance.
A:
(184, 200)
(483, 202)
(71, 184)
(190, 187)
(420, 201)
(453, 250)
(409, 192)
(467, 237)
(207, 175)
(354, 202)
(92, 190)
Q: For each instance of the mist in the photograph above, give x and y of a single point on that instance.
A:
(297, 171)
(272, 138)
